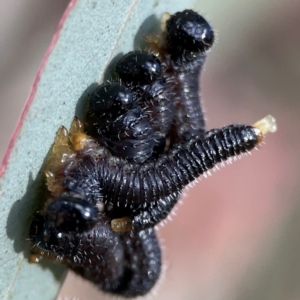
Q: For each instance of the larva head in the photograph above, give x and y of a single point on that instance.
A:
(43, 234)
(64, 216)
(138, 67)
(190, 31)
(113, 97)
(71, 214)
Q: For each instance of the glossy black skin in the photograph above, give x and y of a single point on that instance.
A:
(112, 98)
(139, 68)
(188, 34)
(72, 214)
(128, 265)
(66, 214)
(142, 72)
(121, 124)
(188, 38)
(147, 192)
(142, 187)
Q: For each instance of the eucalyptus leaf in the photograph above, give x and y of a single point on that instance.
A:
(90, 34)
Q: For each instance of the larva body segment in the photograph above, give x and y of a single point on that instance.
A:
(142, 266)
(174, 167)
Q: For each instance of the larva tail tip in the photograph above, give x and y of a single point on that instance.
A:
(267, 124)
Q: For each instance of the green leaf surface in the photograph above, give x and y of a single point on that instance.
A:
(89, 36)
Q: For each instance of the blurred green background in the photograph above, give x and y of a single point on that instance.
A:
(235, 236)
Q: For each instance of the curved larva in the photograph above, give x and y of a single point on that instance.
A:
(120, 263)
(142, 72)
(127, 265)
(183, 50)
(147, 192)
(121, 125)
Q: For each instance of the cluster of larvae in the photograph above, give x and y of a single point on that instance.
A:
(108, 185)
